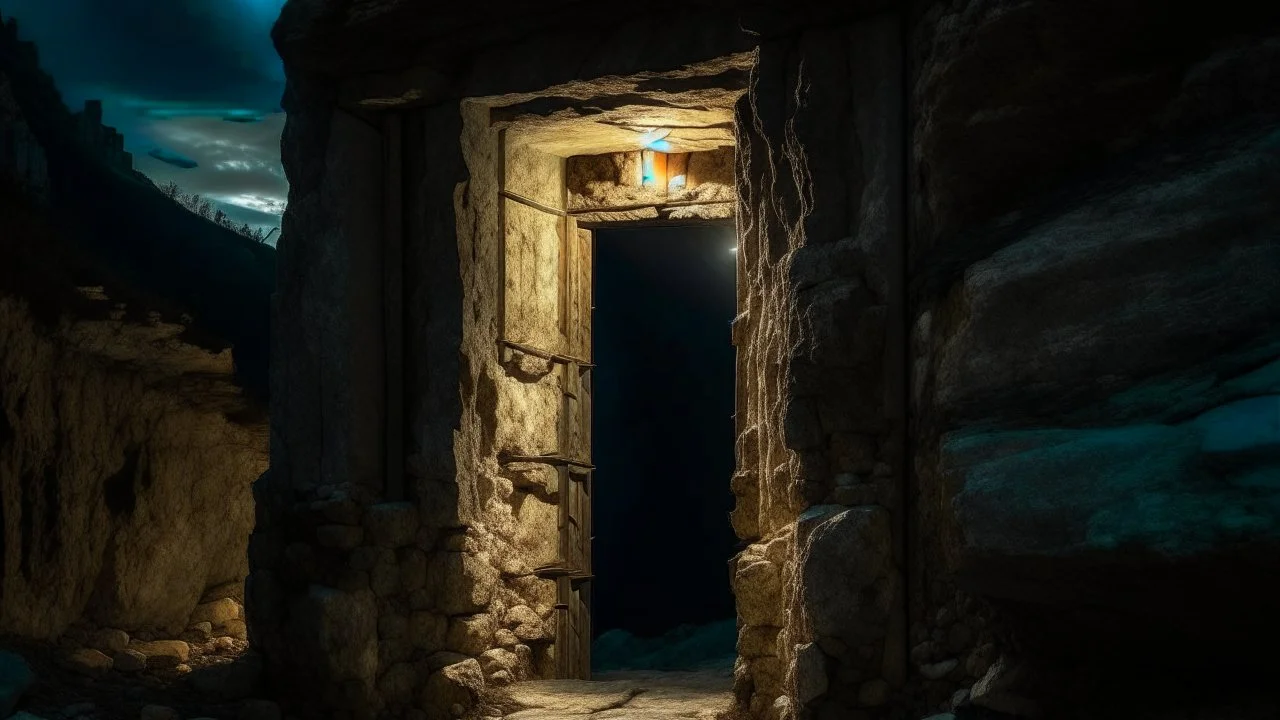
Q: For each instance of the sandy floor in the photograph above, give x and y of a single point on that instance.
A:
(696, 695)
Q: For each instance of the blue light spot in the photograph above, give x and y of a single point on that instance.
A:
(653, 139)
(648, 175)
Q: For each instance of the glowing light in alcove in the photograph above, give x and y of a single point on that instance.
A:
(733, 249)
(654, 139)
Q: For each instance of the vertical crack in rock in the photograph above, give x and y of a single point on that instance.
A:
(51, 538)
(26, 522)
(6, 428)
(119, 491)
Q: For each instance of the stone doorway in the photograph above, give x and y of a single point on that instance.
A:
(444, 569)
(553, 205)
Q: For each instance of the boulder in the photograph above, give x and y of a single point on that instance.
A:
(497, 660)
(758, 641)
(1001, 690)
(337, 631)
(848, 584)
(217, 613)
(470, 634)
(452, 690)
(464, 582)
(428, 631)
(87, 661)
(237, 629)
(808, 674)
(758, 589)
(109, 640)
(939, 670)
(163, 653)
(1200, 495)
(129, 661)
(525, 623)
(200, 632)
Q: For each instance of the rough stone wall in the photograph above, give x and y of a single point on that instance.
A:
(328, 609)
(1094, 270)
(121, 500)
(326, 548)
(405, 606)
(819, 450)
(615, 179)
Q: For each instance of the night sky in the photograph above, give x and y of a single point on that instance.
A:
(663, 428)
(189, 81)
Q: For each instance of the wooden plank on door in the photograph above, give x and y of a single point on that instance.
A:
(583, 300)
(573, 636)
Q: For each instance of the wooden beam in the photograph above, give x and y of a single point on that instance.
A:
(531, 203)
(544, 354)
(557, 460)
(502, 235)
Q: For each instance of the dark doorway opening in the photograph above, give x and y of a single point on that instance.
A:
(663, 403)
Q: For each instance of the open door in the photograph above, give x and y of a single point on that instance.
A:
(573, 638)
(545, 307)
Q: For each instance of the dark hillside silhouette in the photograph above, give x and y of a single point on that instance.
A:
(124, 228)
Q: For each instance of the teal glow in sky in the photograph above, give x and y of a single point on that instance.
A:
(194, 86)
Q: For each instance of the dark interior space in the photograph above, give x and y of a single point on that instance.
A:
(663, 432)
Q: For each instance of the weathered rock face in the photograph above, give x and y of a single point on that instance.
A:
(1096, 277)
(819, 217)
(122, 501)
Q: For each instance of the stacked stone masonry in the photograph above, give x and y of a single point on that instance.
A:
(937, 260)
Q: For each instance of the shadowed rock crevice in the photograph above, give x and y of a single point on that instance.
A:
(120, 489)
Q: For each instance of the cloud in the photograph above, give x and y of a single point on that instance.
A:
(172, 158)
(237, 165)
(183, 50)
(193, 85)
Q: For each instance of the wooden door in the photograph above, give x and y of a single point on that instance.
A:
(573, 640)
